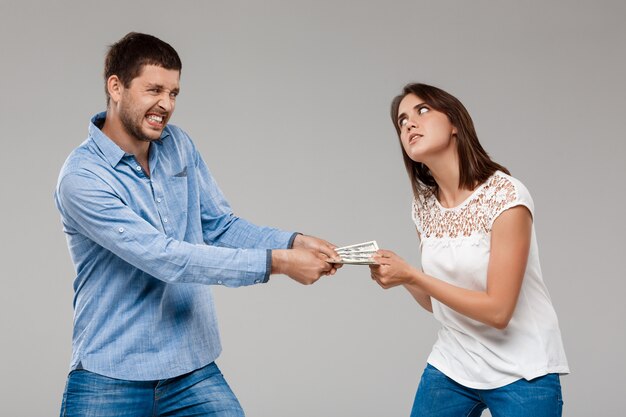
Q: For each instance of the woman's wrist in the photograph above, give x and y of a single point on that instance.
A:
(413, 277)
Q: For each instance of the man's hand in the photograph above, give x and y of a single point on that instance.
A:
(318, 246)
(304, 266)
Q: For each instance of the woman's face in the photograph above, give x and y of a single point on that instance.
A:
(425, 133)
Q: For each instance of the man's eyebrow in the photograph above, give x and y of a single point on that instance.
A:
(161, 87)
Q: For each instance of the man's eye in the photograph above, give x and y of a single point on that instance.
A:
(423, 110)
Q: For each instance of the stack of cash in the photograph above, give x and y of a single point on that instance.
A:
(359, 254)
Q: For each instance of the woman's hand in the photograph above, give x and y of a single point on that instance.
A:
(391, 270)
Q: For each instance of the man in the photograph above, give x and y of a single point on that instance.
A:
(149, 231)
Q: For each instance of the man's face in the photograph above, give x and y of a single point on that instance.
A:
(148, 103)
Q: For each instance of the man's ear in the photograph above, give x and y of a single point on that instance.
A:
(115, 88)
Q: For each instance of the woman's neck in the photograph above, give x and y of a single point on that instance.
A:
(447, 175)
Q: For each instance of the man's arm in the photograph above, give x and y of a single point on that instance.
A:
(89, 206)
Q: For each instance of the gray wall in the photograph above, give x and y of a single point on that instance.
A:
(283, 98)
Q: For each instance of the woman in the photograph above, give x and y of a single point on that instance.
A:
(500, 345)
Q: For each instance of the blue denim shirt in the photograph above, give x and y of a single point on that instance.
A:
(146, 250)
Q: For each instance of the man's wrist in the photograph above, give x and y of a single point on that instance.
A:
(293, 239)
(279, 259)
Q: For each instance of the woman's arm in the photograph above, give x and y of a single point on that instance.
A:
(420, 296)
(510, 244)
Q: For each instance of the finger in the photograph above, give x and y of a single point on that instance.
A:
(380, 260)
(334, 260)
(329, 251)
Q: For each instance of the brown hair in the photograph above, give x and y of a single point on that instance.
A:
(127, 57)
(475, 165)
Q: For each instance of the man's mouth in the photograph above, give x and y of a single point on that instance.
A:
(155, 120)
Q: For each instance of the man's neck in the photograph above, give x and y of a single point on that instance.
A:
(115, 131)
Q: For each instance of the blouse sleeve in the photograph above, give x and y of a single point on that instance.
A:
(508, 192)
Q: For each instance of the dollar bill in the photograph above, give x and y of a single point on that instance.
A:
(371, 246)
(357, 254)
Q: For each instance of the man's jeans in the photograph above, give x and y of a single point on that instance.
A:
(440, 396)
(203, 392)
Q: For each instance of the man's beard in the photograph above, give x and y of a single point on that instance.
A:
(127, 117)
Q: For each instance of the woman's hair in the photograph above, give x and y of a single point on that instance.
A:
(475, 165)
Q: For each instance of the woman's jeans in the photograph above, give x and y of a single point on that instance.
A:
(203, 392)
(440, 396)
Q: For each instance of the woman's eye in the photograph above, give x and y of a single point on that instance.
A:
(402, 122)
(423, 110)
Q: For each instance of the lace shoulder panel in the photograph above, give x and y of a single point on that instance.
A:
(476, 214)
(505, 192)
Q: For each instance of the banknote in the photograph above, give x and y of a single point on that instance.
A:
(370, 246)
(357, 254)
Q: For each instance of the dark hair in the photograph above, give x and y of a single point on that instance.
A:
(127, 57)
(475, 165)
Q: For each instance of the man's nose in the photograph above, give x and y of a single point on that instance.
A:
(166, 102)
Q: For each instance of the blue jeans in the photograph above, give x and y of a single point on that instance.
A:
(203, 392)
(440, 396)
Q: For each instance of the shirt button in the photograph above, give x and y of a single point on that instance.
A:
(138, 168)
(121, 230)
(219, 282)
(158, 200)
(165, 220)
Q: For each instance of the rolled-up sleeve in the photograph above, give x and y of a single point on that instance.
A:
(93, 209)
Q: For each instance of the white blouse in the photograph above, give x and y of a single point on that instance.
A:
(455, 246)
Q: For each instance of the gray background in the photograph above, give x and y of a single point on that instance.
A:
(282, 99)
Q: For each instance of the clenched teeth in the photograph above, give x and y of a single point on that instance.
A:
(155, 118)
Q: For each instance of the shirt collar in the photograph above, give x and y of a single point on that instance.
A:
(111, 151)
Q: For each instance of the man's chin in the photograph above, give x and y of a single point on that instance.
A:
(151, 136)
(149, 139)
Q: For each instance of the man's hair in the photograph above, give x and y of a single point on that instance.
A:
(127, 57)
